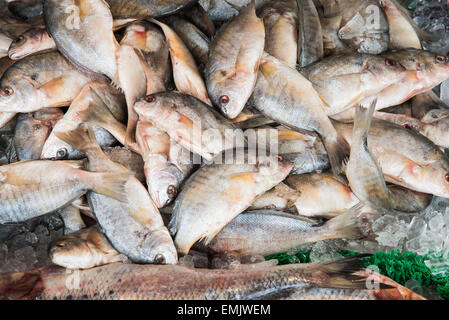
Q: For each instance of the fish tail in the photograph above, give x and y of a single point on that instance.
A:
(23, 285)
(338, 151)
(362, 122)
(351, 224)
(110, 184)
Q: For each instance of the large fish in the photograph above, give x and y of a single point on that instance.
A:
(134, 228)
(32, 130)
(284, 95)
(189, 122)
(82, 31)
(33, 188)
(280, 19)
(106, 113)
(40, 81)
(87, 248)
(234, 58)
(131, 281)
(30, 42)
(217, 193)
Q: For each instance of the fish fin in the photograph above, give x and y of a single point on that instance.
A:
(362, 121)
(81, 138)
(23, 285)
(338, 150)
(97, 112)
(112, 184)
(343, 273)
(351, 224)
(236, 7)
(207, 239)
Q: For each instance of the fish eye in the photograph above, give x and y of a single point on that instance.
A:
(390, 62)
(6, 92)
(441, 59)
(60, 245)
(406, 126)
(224, 100)
(19, 39)
(280, 158)
(171, 191)
(61, 153)
(447, 177)
(150, 99)
(159, 259)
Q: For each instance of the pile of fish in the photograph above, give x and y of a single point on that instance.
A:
(171, 134)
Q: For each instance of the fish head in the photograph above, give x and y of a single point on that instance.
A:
(159, 247)
(69, 251)
(385, 70)
(435, 126)
(163, 183)
(56, 149)
(148, 108)
(25, 44)
(18, 93)
(274, 166)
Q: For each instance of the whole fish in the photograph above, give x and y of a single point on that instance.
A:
(40, 81)
(118, 281)
(87, 107)
(266, 232)
(26, 9)
(284, 95)
(364, 174)
(199, 17)
(162, 176)
(71, 216)
(146, 8)
(280, 19)
(189, 122)
(128, 159)
(85, 249)
(134, 228)
(33, 188)
(234, 58)
(406, 157)
(32, 130)
(5, 42)
(32, 41)
(343, 81)
(217, 193)
(310, 37)
(195, 40)
(187, 78)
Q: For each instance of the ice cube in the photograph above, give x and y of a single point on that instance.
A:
(436, 223)
(416, 228)
(383, 222)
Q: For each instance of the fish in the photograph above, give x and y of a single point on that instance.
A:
(134, 228)
(223, 10)
(364, 174)
(127, 158)
(343, 81)
(401, 26)
(162, 176)
(217, 193)
(186, 75)
(26, 9)
(364, 26)
(405, 157)
(281, 198)
(141, 9)
(195, 40)
(117, 281)
(284, 95)
(35, 40)
(84, 249)
(34, 188)
(71, 216)
(32, 130)
(310, 34)
(266, 232)
(88, 106)
(5, 42)
(83, 33)
(322, 195)
(188, 121)
(199, 17)
(40, 81)
(332, 44)
(280, 19)
(234, 57)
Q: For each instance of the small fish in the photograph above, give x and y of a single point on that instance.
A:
(33, 188)
(134, 228)
(85, 249)
(217, 193)
(32, 130)
(284, 95)
(310, 37)
(33, 41)
(118, 281)
(280, 19)
(234, 58)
